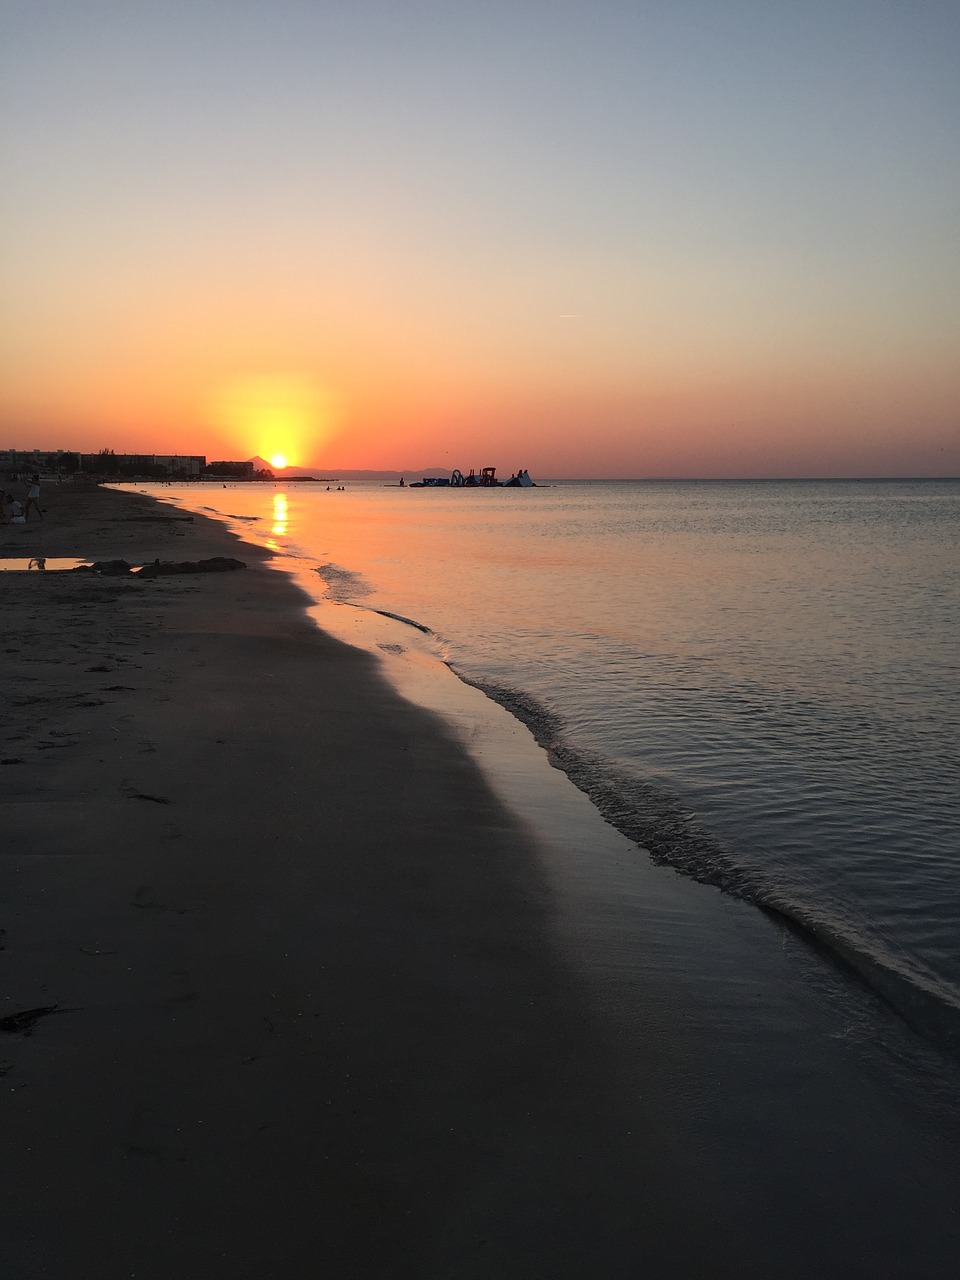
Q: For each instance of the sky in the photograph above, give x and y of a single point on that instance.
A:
(591, 238)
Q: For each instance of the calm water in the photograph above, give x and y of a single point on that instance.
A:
(759, 682)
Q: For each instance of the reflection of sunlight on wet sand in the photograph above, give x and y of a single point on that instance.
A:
(280, 519)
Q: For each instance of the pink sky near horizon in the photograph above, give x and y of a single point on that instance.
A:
(586, 240)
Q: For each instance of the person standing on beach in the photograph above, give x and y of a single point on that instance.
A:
(33, 499)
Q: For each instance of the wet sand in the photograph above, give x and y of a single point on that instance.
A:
(307, 1008)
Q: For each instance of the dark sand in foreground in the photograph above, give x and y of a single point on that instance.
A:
(309, 1015)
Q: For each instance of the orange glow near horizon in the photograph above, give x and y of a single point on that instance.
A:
(793, 420)
(691, 305)
(285, 418)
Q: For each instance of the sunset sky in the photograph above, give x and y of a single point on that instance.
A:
(586, 237)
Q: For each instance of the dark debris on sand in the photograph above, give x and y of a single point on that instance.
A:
(161, 568)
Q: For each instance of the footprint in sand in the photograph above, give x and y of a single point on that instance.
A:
(132, 793)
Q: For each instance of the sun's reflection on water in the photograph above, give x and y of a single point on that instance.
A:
(281, 520)
(280, 516)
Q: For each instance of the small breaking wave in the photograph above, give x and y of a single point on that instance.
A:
(924, 1001)
(226, 515)
(660, 823)
(343, 585)
(648, 815)
(408, 622)
(346, 587)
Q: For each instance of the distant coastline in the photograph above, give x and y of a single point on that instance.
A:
(106, 464)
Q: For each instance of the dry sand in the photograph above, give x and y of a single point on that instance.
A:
(306, 1013)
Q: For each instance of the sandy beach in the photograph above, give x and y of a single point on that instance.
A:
(283, 996)
(295, 953)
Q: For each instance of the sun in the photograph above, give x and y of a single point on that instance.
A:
(283, 417)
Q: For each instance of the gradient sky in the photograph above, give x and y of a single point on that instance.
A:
(587, 237)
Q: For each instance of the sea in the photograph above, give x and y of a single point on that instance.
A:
(756, 682)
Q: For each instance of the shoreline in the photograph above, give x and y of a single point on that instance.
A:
(923, 1003)
(325, 1002)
